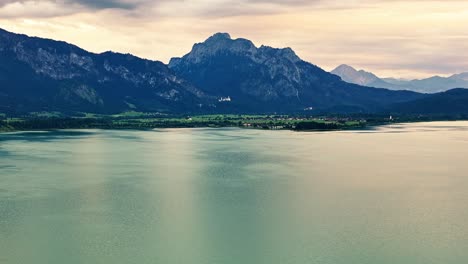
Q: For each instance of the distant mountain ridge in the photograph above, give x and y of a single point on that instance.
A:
(433, 84)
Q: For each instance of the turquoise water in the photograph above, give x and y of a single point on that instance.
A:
(397, 194)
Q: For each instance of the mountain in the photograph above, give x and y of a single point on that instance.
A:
(452, 102)
(265, 79)
(433, 84)
(221, 75)
(46, 75)
(361, 77)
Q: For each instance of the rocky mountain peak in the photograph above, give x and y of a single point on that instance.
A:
(219, 43)
(219, 36)
(223, 44)
(286, 53)
(344, 68)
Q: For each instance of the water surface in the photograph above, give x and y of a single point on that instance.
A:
(397, 194)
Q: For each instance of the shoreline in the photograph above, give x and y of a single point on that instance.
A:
(277, 122)
(260, 122)
(366, 127)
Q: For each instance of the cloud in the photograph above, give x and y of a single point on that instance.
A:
(55, 8)
(105, 4)
(185, 8)
(389, 37)
(97, 4)
(27, 9)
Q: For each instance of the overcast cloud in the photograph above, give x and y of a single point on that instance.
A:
(411, 38)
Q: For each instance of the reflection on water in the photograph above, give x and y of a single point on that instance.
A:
(395, 194)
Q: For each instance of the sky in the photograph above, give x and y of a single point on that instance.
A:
(392, 38)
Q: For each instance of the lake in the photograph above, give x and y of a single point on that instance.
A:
(395, 194)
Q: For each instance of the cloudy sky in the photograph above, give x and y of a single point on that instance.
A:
(399, 38)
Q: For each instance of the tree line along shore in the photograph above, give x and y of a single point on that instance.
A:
(132, 120)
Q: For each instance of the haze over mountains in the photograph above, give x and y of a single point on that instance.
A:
(433, 84)
(221, 75)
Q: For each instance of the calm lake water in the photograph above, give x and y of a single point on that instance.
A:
(397, 194)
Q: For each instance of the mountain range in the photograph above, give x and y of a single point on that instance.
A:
(268, 79)
(219, 75)
(45, 75)
(433, 84)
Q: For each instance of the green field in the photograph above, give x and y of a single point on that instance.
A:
(139, 120)
(136, 120)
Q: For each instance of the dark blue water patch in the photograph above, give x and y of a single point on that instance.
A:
(4, 153)
(220, 136)
(382, 132)
(45, 136)
(213, 134)
(8, 167)
(126, 137)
